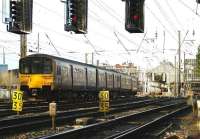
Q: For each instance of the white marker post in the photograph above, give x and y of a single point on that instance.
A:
(52, 113)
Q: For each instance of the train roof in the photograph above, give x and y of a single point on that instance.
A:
(71, 61)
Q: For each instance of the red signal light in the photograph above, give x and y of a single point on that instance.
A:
(74, 19)
(135, 17)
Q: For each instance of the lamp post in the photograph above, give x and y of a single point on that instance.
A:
(179, 62)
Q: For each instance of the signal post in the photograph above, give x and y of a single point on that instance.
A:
(18, 17)
(23, 45)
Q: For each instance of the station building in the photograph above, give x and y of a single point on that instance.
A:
(167, 85)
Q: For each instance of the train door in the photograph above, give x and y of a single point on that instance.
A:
(91, 78)
(58, 76)
(66, 77)
(79, 78)
(109, 80)
(101, 78)
(117, 81)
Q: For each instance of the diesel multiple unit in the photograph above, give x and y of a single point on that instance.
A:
(50, 76)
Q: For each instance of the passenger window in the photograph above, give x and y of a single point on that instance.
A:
(66, 71)
(58, 70)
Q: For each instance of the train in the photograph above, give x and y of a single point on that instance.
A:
(51, 77)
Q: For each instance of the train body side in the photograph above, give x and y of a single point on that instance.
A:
(117, 82)
(62, 73)
(91, 79)
(126, 83)
(101, 79)
(70, 76)
(110, 80)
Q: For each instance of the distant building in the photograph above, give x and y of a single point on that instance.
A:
(128, 68)
(192, 78)
(9, 79)
(168, 69)
(3, 67)
(190, 70)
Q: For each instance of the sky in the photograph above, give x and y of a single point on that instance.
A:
(107, 35)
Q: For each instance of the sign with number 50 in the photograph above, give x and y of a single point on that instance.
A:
(17, 98)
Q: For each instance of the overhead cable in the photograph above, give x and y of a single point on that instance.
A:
(122, 44)
(51, 43)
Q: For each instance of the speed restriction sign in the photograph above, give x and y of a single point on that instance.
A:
(104, 106)
(104, 95)
(17, 98)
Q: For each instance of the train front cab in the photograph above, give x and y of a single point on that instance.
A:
(36, 76)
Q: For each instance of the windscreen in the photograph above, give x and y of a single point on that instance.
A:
(35, 65)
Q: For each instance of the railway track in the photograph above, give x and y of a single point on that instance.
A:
(42, 106)
(24, 124)
(133, 125)
(8, 105)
